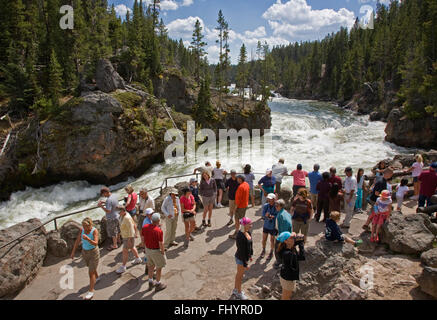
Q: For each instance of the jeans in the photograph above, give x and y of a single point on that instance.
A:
(424, 200)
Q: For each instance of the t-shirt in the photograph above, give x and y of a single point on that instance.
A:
(268, 183)
(233, 186)
(428, 184)
(146, 222)
(337, 180)
(301, 209)
(195, 193)
(380, 185)
(133, 202)
(269, 223)
(152, 235)
(146, 204)
(333, 231)
(279, 171)
(218, 173)
(111, 204)
(299, 177)
(350, 183)
(323, 188)
(382, 205)
(401, 191)
(284, 221)
(249, 179)
(127, 227)
(242, 195)
(314, 178)
(188, 202)
(335, 203)
(417, 169)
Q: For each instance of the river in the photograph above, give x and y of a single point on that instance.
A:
(305, 132)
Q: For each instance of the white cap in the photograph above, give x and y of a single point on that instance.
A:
(268, 171)
(149, 211)
(156, 217)
(271, 196)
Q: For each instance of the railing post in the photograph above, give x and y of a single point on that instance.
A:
(56, 225)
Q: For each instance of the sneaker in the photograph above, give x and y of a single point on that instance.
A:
(270, 256)
(121, 270)
(203, 223)
(197, 229)
(186, 242)
(230, 222)
(160, 287)
(174, 243)
(220, 205)
(263, 253)
(137, 261)
(209, 224)
(358, 242)
(242, 296)
(235, 293)
(89, 295)
(151, 284)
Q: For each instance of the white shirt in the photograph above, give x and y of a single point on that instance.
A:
(218, 173)
(401, 191)
(279, 171)
(350, 183)
(146, 204)
(417, 169)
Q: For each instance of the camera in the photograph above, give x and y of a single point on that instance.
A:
(299, 239)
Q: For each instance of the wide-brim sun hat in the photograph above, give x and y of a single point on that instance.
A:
(385, 194)
(284, 236)
(174, 191)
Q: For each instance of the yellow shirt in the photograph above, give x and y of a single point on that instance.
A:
(127, 227)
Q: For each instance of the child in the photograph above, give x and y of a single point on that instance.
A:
(333, 232)
(381, 213)
(401, 190)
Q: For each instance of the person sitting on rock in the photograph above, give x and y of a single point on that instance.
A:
(89, 237)
(290, 261)
(381, 213)
(333, 231)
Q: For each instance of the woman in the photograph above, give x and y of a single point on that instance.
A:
(299, 176)
(89, 236)
(416, 170)
(249, 179)
(302, 210)
(188, 208)
(131, 204)
(360, 180)
(127, 228)
(290, 261)
(323, 188)
(208, 191)
(219, 174)
(243, 256)
(379, 171)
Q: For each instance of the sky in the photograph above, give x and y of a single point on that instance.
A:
(278, 22)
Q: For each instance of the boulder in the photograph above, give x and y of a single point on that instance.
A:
(69, 232)
(107, 79)
(286, 194)
(428, 281)
(429, 258)
(375, 116)
(101, 227)
(412, 234)
(346, 291)
(21, 261)
(56, 246)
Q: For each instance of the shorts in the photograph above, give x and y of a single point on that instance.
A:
(128, 243)
(208, 201)
(252, 192)
(287, 285)
(273, 232)
(415, 179)
(112, 227)
(188, 217)
(220, 184)
(91, 258)
(133, 212)
(155, 258)
(239, 262)
(300, 227)
(240, 213)
(378, 219)
(232, 206)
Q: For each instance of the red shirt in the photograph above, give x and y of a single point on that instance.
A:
(152, 235)
(337, 180)
(188, 202)
(133, 202)
(299, 177)
(428, 183)
(242, 195)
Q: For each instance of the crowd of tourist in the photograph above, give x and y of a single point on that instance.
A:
(287, 231)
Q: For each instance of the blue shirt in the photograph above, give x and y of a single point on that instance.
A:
(333, 231)
(249, 179)
(268, 183)
(86, 245)
(269, 224)
(314, 178)
(146, 221)
(284, 221)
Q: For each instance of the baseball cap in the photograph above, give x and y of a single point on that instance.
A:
(241, 177)
(156, 217)
(245, 221)
(149, 211)
(104, 190)
(434, 165)
(268, 171)
(283, 236)
(233, 171)
(271, 196)
(193, 180)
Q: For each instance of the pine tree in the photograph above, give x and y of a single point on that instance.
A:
(198, 48)
(242, 71)
(54, 88)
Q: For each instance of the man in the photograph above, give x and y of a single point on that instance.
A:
(231, 186)
(155, 252)
(299, 176)
(145, 202)
(380, 185)
(279, 171)
(269, 214)
(208, 167)
(315, 177)
(267, 185)
(241, 203)
(428, 185)
(334, 178)
(112, 216)
(350, 196)
(171, 208)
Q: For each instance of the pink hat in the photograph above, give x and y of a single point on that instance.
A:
(385, 194)
(245, 221)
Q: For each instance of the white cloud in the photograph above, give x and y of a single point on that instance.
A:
(187, 3)
(121, 10)
(183, 28)
(166, 5)
(296, 20)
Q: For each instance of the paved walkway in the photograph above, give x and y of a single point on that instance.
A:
(204, 270)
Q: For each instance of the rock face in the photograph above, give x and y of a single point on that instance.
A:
(107, 79)
(411, 234)
(69, 232)
(21, 261)
(428, 281)
(56, 246)
(418, 133)
(429, 258)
